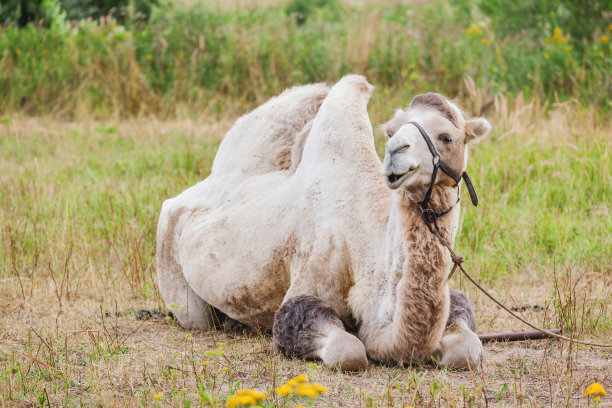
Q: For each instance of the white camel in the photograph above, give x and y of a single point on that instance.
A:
(300, 229)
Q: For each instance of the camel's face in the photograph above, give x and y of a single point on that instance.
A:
(408, 161)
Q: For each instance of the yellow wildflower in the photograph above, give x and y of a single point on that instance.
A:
(597, 399)
(148, 57)
(301, 378)
(610, 27)
(546, 55)
(159, 395)
(204, 363)
(484, 41)
(284, 389)
(240, 400)
(595, 389)
(319, 387)
(601, 53)
(300, 406)
(18, 51)
(256, 395)
(604, 39)
(306, 390)
(474, 30)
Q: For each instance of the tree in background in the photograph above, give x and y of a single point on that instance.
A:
(23, 12)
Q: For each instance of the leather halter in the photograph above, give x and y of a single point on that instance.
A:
(429, 213)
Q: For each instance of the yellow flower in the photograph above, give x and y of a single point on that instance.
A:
(148, 57)
(204, 363)
(610, 27)
(597, 399)
(604, 39)
(18, 51)
(546, 55)
(293, 382)
(484, 41)
(159, 395)
(319, 387)
(305, 390)
(301, 378)
(601, 53)
(474, 30)
(595, 389)
(240, 400)
(285, 389)
(256, 395)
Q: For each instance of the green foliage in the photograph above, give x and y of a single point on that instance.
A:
(304, 8)
(214, 60)
(23, 12)
(533, 18)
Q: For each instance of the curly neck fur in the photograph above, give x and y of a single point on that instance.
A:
(417, 273)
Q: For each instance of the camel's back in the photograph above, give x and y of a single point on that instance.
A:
(262, 140)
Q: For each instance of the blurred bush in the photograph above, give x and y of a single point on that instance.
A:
(218, 59)
(22, 12)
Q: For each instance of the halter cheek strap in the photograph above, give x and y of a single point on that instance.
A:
(439, 164)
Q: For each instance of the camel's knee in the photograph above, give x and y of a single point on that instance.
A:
(460, 347)
(460, 309)
(305, 327)
(192, 312)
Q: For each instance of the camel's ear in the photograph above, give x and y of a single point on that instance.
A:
(476, 129)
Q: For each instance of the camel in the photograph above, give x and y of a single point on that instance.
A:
(299, 228)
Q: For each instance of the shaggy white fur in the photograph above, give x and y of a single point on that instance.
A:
(297, 204)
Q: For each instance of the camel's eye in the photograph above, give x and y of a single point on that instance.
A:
(445, 138)
(388, 133)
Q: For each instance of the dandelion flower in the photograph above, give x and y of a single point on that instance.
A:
(610, 27)
(319, 388)
(284, 389)
(148, 57)
(256, 395)
(158, 395)
(301, 378)
(601, 53)
(604, 39)
(546, 55)
(597, 399)
(595, 389)
(204, 363)
(484, 41)
(240, 400)
(306, 390)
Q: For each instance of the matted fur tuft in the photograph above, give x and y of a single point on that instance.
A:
(297, 325)
(460, 309)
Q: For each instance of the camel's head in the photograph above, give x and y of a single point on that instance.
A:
(408, 160)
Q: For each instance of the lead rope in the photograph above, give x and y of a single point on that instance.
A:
(458, 260)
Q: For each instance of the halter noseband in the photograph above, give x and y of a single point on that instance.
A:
(429, 213)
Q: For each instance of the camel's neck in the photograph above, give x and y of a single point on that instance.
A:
(412, 313)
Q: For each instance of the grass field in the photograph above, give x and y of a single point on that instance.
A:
(99, 123)
(78, 208)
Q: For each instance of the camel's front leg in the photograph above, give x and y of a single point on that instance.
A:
(460, 347)
(305, 327)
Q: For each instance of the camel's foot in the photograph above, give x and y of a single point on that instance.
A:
(460, 347)
(305, 327)
(343, 350)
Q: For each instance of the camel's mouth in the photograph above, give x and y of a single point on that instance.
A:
(396, 180)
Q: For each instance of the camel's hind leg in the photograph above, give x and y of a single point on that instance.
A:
(307, 328)
(460, 347)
